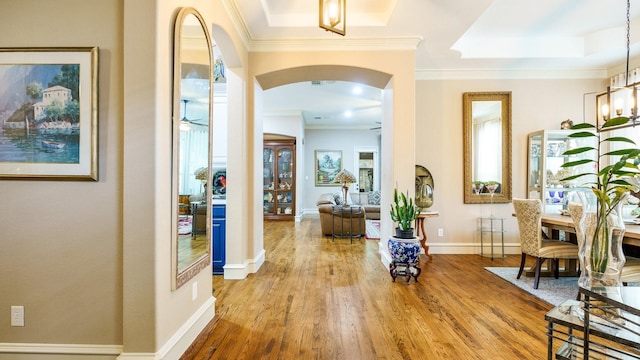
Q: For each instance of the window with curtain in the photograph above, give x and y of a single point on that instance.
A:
(488, 143)
(191, 161)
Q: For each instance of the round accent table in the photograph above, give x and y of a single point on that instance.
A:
(422, 235)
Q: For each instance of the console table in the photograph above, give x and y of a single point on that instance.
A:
(584, 330)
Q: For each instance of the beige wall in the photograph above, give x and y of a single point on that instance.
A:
(62, 240)
(536, 105)
(90, 261)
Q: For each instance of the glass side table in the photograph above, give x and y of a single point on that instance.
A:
(492, 227)
(351, 219)
(605, 325)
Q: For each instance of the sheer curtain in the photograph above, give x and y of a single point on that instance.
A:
(191, 160)
(488, 143)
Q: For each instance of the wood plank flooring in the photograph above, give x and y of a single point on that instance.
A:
(318, 299)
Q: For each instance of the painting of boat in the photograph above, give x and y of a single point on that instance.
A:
(47, 144)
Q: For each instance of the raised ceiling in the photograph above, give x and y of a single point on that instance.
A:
(457, 38)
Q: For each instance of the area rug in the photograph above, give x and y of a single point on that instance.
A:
(184, 225)
(373, 230)
(552, 290)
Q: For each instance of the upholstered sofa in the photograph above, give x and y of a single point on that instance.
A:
(370, 201)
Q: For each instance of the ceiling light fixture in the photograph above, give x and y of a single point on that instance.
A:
(333, 16)
(621, 97)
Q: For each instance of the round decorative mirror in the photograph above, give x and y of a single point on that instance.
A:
(192, 110)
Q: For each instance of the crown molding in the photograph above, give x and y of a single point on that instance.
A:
(350, 44)
(481, 74)
(238, 21)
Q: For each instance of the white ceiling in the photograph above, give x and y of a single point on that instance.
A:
(542, 37)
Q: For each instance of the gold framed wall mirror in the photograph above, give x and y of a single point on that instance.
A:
(191, 141)
(487, 147)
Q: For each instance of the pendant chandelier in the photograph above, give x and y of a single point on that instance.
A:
(333, 16)
(621, 99)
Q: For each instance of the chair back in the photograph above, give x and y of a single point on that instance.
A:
(529, 215)
(575, 210)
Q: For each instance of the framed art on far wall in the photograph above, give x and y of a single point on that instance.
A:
(328, 164)
(48, 121)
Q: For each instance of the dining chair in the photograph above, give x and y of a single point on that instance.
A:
(631, 269)
(529, 215)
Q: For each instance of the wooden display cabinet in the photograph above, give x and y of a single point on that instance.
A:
(544, 167)
(279, 184)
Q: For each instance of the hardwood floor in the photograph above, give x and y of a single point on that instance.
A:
(318, 299)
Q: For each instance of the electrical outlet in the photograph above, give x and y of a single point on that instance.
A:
(194, 291)
(440, 232)
(17, 315)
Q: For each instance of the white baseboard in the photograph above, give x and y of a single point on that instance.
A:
(57, 349)
(181, 339)
(241, 271)
(453, 249)
(313, 211)
(471, 248)
(172, 349)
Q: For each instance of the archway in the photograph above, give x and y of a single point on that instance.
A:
(372, 77)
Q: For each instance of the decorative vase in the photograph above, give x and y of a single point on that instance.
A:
(602, 230)
(405, 254)
(404, 234)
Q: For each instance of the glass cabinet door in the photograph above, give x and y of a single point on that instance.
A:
(268, 181)
(279, 179)
(285, 182)
(535, 144)
(545, 171)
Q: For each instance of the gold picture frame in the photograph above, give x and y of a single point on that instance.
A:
(328, 164)
(49, 122)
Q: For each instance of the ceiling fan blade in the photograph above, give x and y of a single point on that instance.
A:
(185, 119)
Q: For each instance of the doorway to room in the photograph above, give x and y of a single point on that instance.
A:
(367, 166)
(334, 115)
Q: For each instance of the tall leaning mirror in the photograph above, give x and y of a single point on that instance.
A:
(487, 147)
(192, 139)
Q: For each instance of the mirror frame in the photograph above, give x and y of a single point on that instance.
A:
(180, 277)
(467, 99)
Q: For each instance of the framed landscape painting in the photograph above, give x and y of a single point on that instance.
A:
(328, 165)
(48, 113)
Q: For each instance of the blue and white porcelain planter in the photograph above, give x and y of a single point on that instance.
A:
(405, 254)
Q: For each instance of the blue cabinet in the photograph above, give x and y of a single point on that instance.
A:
(218, 238)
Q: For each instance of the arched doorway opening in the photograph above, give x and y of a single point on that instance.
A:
(376, 78)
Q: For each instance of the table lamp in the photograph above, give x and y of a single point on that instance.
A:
(345, 178)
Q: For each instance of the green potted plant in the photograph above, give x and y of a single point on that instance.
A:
(404, 248)
(601, 224)
(491, 186)
(477, 186)
(404, 213)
